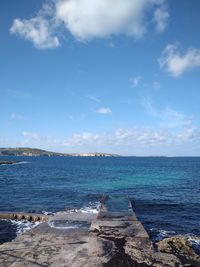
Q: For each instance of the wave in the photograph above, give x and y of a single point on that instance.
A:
(157, 235)
(22, 226)
(91, 208)
(21, 162)
(195, 243)
(15, 163)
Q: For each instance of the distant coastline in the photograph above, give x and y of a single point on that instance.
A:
(35, 152)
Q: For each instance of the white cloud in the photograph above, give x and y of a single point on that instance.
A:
(39, 30)
(138, 141)
(141, 136)
(121, 137)
(87, 19)
(185, 140)
(161, 17)
(85, 139)
(21, 94)
(177, 63)
(31, 136)
(105, 111)
(135, 81)
(189, 134)
(174, 119)
(148, 105)
(15, 116)
(94, 98)
(156, 85)
(167, 117)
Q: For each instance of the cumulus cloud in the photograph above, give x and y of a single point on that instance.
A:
(121, 137)
(134, 138)
(38, 30)
(162, 140)
(161, 17)
(86, 139)
(105, 111)
(88, 19)
(141, 136)
(176, 63)
(135, 81)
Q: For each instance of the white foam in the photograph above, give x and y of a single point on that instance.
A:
(23, 226)
(195, 243)
(161, 234)
(21, 162)
(92, 208)
(16, 163)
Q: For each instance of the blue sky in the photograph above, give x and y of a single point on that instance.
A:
(101, 76)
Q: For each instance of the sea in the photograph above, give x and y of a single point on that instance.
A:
(164, 191)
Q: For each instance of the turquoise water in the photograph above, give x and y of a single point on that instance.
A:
(165, 192)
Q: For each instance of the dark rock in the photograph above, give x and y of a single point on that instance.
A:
(182, 247)
(8, 162)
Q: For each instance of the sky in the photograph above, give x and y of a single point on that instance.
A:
(113, 76)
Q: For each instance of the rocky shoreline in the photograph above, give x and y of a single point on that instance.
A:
(183, 247)
(9, 162)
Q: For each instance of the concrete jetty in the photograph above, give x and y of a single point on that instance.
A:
(114, 237)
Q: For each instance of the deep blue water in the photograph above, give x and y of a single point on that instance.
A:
(165, 192)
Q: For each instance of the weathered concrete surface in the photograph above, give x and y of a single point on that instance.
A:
(73, 216)
(119, 228)
(45, 246)
(23, 216)
(113, 240)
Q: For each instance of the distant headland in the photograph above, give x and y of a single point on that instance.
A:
(35, 152)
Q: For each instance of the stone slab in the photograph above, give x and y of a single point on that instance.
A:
(121, 216)
(47, 247)
(115, 203)
(119, 228)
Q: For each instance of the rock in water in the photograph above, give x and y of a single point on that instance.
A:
(8, 162)
(183, 247)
